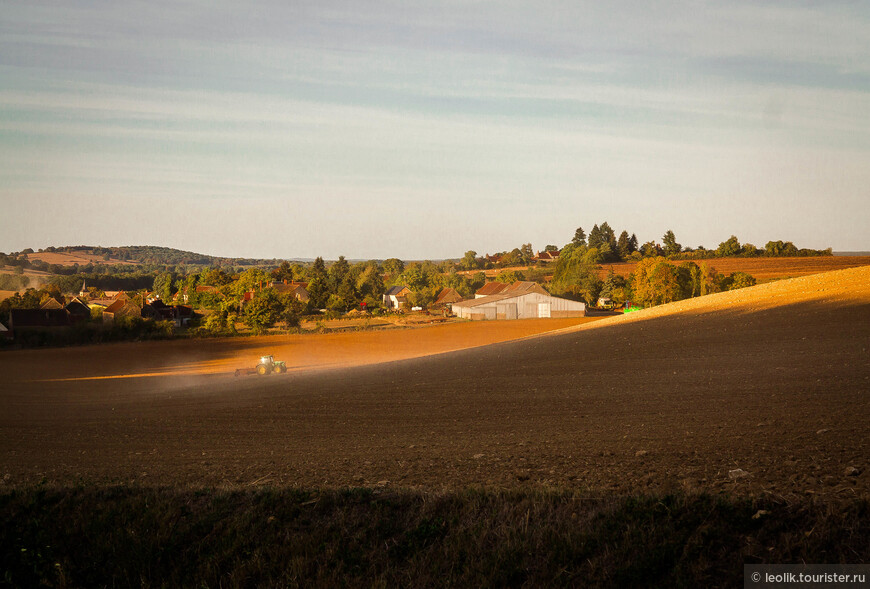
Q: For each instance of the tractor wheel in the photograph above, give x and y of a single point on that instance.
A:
(262, 370)
(282, 369)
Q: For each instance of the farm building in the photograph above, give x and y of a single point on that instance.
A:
(518, 287)
(21, 320)
(297, 289)
(546, 257)
(51, 303)
(489, 289)
(122, 307)
(521, 305)
(446, 298)
(78, 310)
(396, 297)
(5, 333)
(523, 287)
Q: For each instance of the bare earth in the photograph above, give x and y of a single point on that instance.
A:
(773, 381)
(763, 269)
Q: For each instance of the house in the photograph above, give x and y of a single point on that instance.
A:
(547, 257)
(489, 289)
(396, 297)
(447, 297)
(518, 305)
(100, 303)
(298, 289)
(122, 307)
(30, 320)
(159, 311)
(78, 310)
(51, 303)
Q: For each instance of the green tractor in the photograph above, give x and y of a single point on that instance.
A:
(267, 365)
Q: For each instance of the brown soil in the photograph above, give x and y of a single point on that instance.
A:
(763, 269)
(69, 259)
(757, 391)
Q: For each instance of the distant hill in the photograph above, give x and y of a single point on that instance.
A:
(137, 254)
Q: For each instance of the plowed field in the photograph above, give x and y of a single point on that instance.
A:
(763, 269)
(763, 390)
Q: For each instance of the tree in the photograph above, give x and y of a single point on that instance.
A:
(394, 266)
(656, 281)
(579, 237)
(576, 273)
(594, 237)
(526, 253)
(509, 276)
(738, 280)
(551, 248)
(337, 272)
(469, 260)
(263, 311)
(669, 240)
(623, 245)
(614, 287)
(318, 284)
(284, 272)
(369, 282)
(693, 287)
(651, 250)
(730, 247)
(163, 285)
(711, 281)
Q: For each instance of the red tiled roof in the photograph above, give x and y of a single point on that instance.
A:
(448, 295)
(491, 288)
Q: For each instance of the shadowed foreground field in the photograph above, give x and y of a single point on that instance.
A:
(758, 397)
(772, 381)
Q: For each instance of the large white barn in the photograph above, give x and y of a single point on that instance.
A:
(529, 305)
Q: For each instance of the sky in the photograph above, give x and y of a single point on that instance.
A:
(423, 130)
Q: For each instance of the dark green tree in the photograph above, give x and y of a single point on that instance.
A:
(594, 237)
(579, 237)
(623, 245)
(394, 266)
(469, 260)
(526, 253)
(162, 286)
(669, 240)
(728, 248)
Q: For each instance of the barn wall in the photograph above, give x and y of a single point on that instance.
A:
(525, 306)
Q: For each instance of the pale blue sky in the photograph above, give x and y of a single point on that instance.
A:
(379, 129)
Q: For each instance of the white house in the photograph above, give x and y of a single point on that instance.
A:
(396, 297)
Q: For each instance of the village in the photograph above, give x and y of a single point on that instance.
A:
(495, 300)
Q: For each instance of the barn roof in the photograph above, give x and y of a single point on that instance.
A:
(51, 303)
(395, 290)
(448, 295)
(524, 286)
(76, 306)
(491, 288)
(119, 304)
